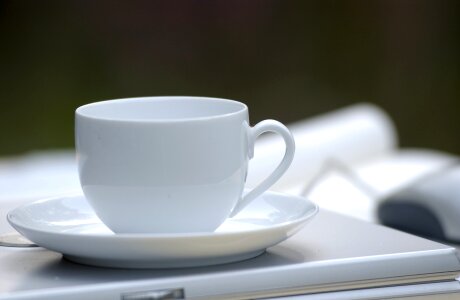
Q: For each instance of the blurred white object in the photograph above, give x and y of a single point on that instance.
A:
(357, 189)
(38, 174)
(346, 161)
(351, 135)
(430, 207)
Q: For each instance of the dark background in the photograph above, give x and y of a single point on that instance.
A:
(287, 60)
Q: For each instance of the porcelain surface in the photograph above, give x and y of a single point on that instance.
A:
(69, 225)
(169, 164)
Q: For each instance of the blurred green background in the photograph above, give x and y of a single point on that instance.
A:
(287, 60)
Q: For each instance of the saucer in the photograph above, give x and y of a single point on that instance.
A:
(68, 225)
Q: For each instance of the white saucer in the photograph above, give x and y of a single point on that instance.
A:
(68, 225)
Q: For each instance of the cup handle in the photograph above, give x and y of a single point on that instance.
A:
(254, 132)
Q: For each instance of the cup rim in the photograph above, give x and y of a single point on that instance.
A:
(81, 111)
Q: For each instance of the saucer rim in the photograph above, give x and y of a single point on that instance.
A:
(301, 219)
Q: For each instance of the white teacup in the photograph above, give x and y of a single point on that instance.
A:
(169, 164)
